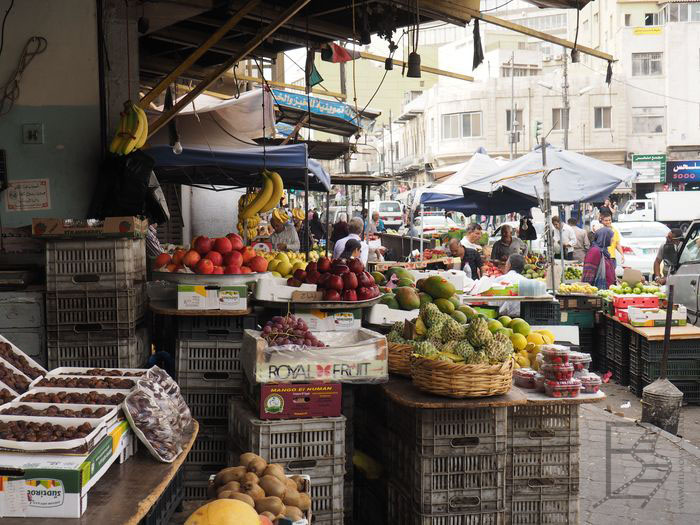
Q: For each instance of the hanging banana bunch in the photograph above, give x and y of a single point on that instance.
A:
(264, 200)
(298, 214)
(132, 130)
(280, 215)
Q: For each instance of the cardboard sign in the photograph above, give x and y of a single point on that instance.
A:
(298, 400)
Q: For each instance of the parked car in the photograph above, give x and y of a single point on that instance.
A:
(434, 223)
(640, 243)
(390, 212)
(685, 275)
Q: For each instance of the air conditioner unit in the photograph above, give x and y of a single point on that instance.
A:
(546, 58)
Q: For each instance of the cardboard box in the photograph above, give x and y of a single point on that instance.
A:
(656, 316)
(330, 320)
(232, 297)
(109, 227)
(294, 400)
(197, 297)
(381, 314)
(56, 486)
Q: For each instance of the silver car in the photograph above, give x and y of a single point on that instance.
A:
(641, 241)
(685, 276)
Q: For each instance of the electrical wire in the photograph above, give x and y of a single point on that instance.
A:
(2, 29)
(495, 8)
(9, 92)
(211, 114)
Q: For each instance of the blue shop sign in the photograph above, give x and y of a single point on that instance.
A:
(683, 170)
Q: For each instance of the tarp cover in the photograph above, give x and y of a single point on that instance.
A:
(579, 179)
(203, 166)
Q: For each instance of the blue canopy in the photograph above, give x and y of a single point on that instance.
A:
(239, 168)
(578, 179)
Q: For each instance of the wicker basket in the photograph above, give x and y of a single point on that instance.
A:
(458, 380)
(400, 359)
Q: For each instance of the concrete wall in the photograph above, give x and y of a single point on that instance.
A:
(60, 89)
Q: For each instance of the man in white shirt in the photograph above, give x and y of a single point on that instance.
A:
(355, 227)
(471, 238)
(563, 236)
(285, 236)
(514, 269)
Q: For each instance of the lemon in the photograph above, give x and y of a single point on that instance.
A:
(520, 327)
(519, 341)
(282, 257)
(275, 274)
(284, 268)
(272, 265)
(522, 360)
(535, 339)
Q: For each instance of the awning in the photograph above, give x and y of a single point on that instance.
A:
(238, 168)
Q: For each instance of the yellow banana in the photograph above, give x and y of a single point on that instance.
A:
(143, 121)
(132, 123)
(137, 130)
(114, 146)
(278, 189)
(261, 197)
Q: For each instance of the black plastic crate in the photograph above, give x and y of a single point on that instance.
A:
(636, 385)
(676, 369)
(690, 389)
(168, 502)
(209, 328)
(679, 349)
(541, 313)
(209, 407)
(209, 448)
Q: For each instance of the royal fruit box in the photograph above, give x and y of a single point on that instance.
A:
(350, 356)
(56, 486)
(330, 320)
(656, 316)
(200, 297)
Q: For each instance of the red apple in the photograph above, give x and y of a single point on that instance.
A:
(313, 277)
(232, 269)
(205, 267)
(233, 258)
(349, 295)
(218, 270)
(202, 245)
(222, 245)
(293, 281)
(349, 281)
(331, 295)
(163, 259)
(311, 267)
(335, 283)
(356, 266)
(173, 267)
(191, 259)
(215, 257)
(339, 269)
(245, 269)
(236, 241)
(258, 264)
(178, 255)
(248, 253)
(300, 275)
(324, 265)
(364, 293)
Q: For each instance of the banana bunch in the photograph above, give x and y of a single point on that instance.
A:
(298, 214)
(132, 131)
(248, 228)
(267, 197)
(280, 215)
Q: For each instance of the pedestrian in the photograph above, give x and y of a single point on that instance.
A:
(472, 236)
(317, 229)
(598, 269)
(515, 266)
(507, 245)
(668, 254)
(355, 227)
(376, 225)
(340, 228)
(582, 241)
(352, 250)
(471, 259)
(285, 236)
(563, 236)
(615, 244)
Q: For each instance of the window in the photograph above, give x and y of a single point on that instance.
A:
(651, 19)
(459, 125)
(695, 12)
(558, 119)
(518, 119)
(392, 207)
(691, 251)
(646, 64)
(601, 118)
(628, 20)
(648, 120)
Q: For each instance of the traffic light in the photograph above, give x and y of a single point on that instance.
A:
(538, 130)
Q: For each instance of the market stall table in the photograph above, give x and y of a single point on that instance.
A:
(126, 492)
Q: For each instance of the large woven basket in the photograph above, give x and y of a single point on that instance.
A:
(459, 380)
(400, 359)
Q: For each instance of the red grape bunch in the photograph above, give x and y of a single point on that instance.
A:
(289, 330)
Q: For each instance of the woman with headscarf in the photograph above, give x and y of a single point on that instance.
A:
(598, 269)
(340, 228)
(316, 226)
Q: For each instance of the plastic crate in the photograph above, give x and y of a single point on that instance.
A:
(541, 313)
(196, 490)
(202, 472)
(543, 470)
(451, 432)
(209, 364)
(115, 307)
(95, 264)
(680, 369)
(214, 328)
(168, 502)
(679, 349)
(313, 446)
(369, 500)
(536, 510)
(578, 302)
(88, 333)
(100, 351)
(580, 318)
(209, 407)
(543, 425)
(327, 500)
(636, 385)
(208, 449)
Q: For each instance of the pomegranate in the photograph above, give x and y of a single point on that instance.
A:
(331, 295)
(324, 265)
(364, 293)
(245, 269)
(163, 259)
(356, 266)
(323, 281)
(339, 269)
(350, 295)
(218, 270)
(178, 255)
(365, 279)
(222, 245)
(293, 281)
(235, 240)
(335, 282)
(311, 267)
(258, 264)
(232, 269)
(313, 277)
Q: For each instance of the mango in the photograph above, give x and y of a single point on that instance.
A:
(379, 278)
(404, 281)
(459, 317)
(424, 298)
(407, 298)
(439, 288)
(444, 305)
(390, 300)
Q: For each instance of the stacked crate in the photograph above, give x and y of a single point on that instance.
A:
(95, 303)
(541, 312)
(446, 466)
(208, 370)
(580, 311)
(313, 447)
(542, 464)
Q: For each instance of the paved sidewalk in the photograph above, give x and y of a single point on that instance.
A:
(631, 475)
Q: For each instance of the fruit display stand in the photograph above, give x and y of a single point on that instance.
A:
(139, 491)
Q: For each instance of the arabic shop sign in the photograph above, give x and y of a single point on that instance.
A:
(650, 168)
(683, 170)
(329, 108)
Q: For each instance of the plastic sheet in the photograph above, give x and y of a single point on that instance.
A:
(152, 421)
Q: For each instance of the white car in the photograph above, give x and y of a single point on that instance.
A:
(389, 211)
(434, 223)
(640, 244)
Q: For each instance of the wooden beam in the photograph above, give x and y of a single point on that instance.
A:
(197, 53)
(284, 17)
(427, 69)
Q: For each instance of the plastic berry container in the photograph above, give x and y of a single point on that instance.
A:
(580, 360)
(555, 354)
(524, 377)
(570, 388)
(590, 383)
(539, 382)
(553, 372)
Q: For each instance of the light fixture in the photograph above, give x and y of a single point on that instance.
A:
(575, 56)
(413, 65)
(177, 148)
(389, 64)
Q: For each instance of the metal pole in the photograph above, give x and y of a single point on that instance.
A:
(328, 222)
(512, 105)
(422, 228)
(667, 333)
(565, 99)
(549, 238)
(391, 139)
(344, 91)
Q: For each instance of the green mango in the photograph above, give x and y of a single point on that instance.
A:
(455, 301)
(403, 281)
(391, 301)
(424, 298)
(458, 316)
(407, 298)
(444, 305)
(438, 287)
(379, 278)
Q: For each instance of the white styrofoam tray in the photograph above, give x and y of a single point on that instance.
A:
(110, 418)
(19, 372)
(80, 371)
(275, 289)
(3, 385)
(17, 351)
(82, 445)
(381, 314)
